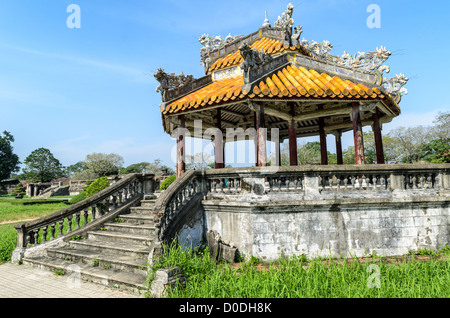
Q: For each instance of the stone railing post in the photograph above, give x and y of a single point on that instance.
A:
(397, 181)
(311, 185)
(148, 185)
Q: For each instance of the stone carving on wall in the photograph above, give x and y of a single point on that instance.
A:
(170, 81)
(252, 60)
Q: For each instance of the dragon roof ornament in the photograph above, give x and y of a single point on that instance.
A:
(286, 18)
(170, 81)
(213, 43)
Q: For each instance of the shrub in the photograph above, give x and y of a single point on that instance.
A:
(79, 197)
(19, 191)
(167, 182)
(97, 186)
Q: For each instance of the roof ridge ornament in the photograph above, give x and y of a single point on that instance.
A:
(211, 43)
(394, 85)
(170, 81)
(286, 18)
(252, 60)
(266, 22)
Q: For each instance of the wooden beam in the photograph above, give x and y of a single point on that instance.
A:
(277, 113)
(343, 110)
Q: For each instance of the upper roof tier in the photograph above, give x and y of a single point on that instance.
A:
(274, 64)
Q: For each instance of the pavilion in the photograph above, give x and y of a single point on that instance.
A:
(284, 88)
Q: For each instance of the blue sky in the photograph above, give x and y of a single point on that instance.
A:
(79, 91)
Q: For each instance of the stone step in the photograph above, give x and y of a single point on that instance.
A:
(112, 248)
(134, 282)
(101, 259)
(145, 210)
(145, 230)
(138, 219)
(120, 237)
(148, 203)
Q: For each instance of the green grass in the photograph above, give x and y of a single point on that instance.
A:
(292, 278)
(8, 241)
(12, 209)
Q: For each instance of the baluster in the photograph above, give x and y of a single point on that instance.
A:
(94, 212)
(125, 194)
(414, 182)
(429, 182)
(121, 200)
(35, 236)
(228, 184)
(86, 215)
(77, 220)
(375, 181)
(27, 239)
(52, 231)
(279, 183)
(60, 226)
(44, 234)
(345, 182)
(106, 205)
(353, 181)
(69, 223)
(296, 184)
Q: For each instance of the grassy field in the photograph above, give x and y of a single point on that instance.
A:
(295, 278)
(14, 211)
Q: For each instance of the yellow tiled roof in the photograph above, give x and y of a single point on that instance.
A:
(291, 81)
(270, 46)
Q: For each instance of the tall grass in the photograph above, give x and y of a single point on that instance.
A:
(8, 242)
(292, 278)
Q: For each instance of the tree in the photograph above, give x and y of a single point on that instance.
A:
(408, 144)
(437, 151)
(72, 170)
(9, 162)
(199, 161)
(42, 166)
(103, 165)
(135, 168)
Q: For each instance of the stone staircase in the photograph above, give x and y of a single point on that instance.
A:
(115, 255)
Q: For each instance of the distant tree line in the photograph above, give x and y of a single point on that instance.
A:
(401, 145)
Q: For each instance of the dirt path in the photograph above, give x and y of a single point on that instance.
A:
(16, 221)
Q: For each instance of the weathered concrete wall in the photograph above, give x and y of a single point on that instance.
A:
(359, 227)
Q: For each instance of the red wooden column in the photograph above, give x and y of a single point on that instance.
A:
(218, 143)
(340, 159)
(181, 146)
(378, 139)
(261, 137)
(358, 134)
(293, 159)
(323, 142)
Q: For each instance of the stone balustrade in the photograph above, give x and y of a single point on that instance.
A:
(76, 219)
(301, 183)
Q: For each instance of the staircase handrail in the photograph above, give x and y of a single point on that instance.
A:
(101, 205)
